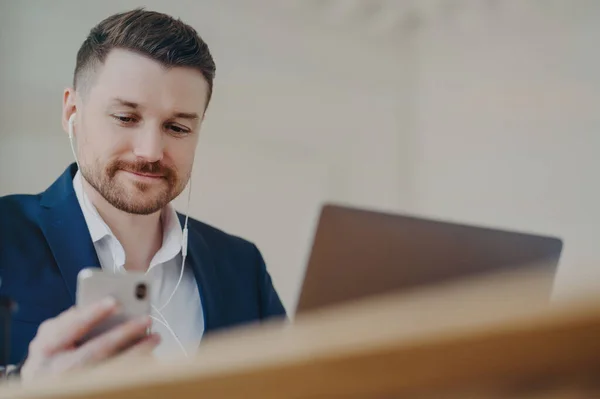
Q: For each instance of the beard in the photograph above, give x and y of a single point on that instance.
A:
(135, 197)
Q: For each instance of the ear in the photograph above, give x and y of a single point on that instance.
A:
(69, 107)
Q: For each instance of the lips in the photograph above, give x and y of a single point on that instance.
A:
(146, 174)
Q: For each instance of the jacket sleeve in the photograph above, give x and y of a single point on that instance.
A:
(270, 303)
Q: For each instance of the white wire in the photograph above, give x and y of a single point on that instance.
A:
(164, 321)
(184, 241)
(176, 285)
(166, 324)
(84, 197)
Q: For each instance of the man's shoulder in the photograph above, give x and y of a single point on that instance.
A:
(19, 220)
(19, 206)
(222, 245)
(215, 236)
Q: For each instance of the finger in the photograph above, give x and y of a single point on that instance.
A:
(72, 325)
(142, 348)
(111, 342)
(128, 356)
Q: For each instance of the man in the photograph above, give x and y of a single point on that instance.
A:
(142, 83)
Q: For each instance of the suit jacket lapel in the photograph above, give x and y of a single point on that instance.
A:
(200, 259)
(66, 231)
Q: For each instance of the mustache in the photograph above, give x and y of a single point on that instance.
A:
(156, 168)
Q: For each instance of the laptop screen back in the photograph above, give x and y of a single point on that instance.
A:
(358, 253)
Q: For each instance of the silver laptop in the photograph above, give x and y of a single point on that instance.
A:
(358, 253)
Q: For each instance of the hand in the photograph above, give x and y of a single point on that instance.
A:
(55, 349)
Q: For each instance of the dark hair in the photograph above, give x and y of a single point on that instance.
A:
(158, 36)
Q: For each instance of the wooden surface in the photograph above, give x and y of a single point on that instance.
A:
(492, 338)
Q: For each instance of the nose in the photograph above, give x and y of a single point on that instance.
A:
(149, 145)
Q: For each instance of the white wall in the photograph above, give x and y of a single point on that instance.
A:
(297, 118)
(477, 111)
(508, 128)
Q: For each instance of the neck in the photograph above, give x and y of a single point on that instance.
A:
(140, 235)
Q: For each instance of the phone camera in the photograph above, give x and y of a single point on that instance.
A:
(141, 291)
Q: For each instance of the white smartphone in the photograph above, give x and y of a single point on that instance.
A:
(132, 291)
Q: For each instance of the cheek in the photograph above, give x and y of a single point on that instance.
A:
(181, 155)
(103, 144)
(90, 149)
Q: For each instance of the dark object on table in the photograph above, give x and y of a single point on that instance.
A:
(7, 307)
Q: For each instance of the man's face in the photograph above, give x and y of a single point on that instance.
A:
(137, 128)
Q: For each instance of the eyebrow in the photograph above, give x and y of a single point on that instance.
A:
(129, 104)
(178, 115)
(187, 115)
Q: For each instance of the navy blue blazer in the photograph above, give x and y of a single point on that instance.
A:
(45, 242)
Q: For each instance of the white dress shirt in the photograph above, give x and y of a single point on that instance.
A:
(183, 314)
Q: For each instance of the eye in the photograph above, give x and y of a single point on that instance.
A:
(125, 119)
(178, 130)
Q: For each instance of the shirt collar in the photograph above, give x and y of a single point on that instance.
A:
(172, 237)
(96, 225)
(172, 234)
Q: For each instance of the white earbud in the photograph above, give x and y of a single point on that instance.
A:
(71, 123)
(71, 136)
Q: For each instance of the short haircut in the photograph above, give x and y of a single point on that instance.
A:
(158, 36)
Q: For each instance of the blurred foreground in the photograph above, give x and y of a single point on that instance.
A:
(492, 337)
